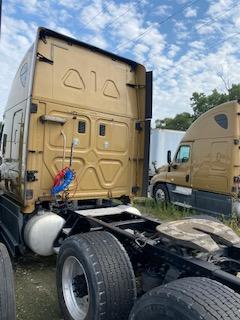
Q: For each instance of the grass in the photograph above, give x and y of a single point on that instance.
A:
(169, 212)
(161, 211)
(233, 223)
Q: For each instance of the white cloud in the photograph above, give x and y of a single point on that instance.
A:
(16, 38)
(221, 16)
(181, 30)
(190, 12)
(114, 25)
(95, 16)
(194, 73)
(182, 1)
(237, 22)
(173, 50)
(71, 4)
(30, 6)
(219, 7)
(99, 41)
(163, 10)
(180, 26)
(140, 51)
(64, 16)
(197, 45)
(33, 7)
(205, 29)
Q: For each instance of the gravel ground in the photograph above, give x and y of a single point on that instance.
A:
(36, 295)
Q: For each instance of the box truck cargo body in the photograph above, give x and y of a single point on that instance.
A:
(161, 141)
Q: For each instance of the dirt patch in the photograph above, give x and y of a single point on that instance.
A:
(36, 294)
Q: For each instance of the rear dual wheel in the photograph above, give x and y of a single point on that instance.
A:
(95, 278)
(188, 299)
(95, 281)
(7, 288)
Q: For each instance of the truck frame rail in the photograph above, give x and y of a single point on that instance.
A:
(150, 251)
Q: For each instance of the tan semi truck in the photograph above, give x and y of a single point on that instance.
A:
(204, 174)
(74, 152)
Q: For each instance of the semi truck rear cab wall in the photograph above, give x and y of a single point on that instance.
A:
(204, 173)
(71, 104)
(66, 90)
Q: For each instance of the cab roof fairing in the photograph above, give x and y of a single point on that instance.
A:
(43, 32)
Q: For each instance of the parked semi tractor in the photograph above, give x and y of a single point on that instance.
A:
(161, 141)
(204, 172)
(74, 152)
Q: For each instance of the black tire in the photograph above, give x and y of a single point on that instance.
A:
(7, 288)
(188, 299)
(110, 285)
(161, 188)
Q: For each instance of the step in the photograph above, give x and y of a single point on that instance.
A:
(180, 204)
(66, 231)
(183, 190)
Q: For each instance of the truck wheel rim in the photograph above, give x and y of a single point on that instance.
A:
(75, 288)
(160, 195)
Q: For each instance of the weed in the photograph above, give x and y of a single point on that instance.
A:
(233, 223)
(161, 211)
(169, 212)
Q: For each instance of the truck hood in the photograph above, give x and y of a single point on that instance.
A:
(161, 175)
(163, 168)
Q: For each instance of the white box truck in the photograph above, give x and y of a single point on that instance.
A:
(162, 140)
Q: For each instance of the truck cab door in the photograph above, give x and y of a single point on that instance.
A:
(16, 152)
(179, 176)
(16, 136)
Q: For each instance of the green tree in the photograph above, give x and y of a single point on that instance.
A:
(201, 103)
(234, 92)
(181, 121)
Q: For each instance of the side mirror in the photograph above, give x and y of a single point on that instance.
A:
(154, 163)
(169, 157)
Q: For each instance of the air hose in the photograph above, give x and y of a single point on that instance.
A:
(62, 180)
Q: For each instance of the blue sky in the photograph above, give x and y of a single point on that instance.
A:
(190, 45)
